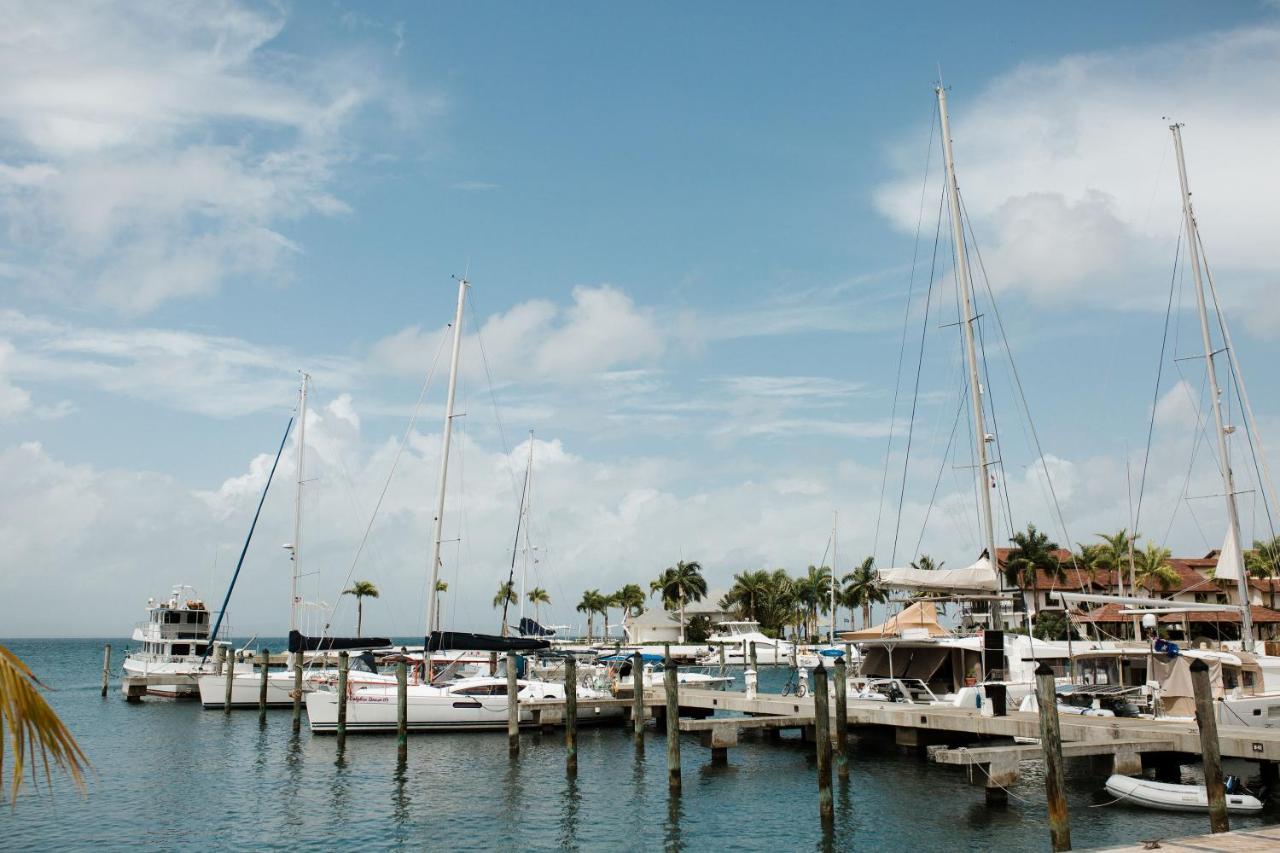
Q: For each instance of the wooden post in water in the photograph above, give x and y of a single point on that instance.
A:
(402, 705)
(106, 667)
(822, 742)
(342, 698)
(673, 725)
(231, 680)
(1210, 752)
(513, 707)
(1055, 788)
(637, 699)
(842, 720)
(297, 690)
(571, 714)
(262, 686)
(753, 655)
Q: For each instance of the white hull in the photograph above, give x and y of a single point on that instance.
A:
(372, 707)
(1174, 798)
(183, 689)
(246, 687)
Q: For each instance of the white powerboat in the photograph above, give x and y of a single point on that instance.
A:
(174, 640)
(737, 637)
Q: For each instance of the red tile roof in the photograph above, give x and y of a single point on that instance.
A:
(1111, 613)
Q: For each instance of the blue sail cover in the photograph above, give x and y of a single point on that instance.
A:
(299, 642)
(529, 628)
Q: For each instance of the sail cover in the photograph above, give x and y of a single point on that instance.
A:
(529, 628)
(1228, 568)
(299, 642)
(439, 640)
(979, 577)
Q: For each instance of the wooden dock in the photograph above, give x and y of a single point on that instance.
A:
(1237, 841)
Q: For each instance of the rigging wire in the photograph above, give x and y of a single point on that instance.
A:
(915, 397)
(964, 397)
(1155, 395)
(902, 346)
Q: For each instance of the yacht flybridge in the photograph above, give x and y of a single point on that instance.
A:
(174, 640)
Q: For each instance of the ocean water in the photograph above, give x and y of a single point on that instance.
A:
(169, 775)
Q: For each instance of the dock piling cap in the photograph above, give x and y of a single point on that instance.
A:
(1044, 669)
(1198, 665)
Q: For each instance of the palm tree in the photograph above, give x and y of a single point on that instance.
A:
(361, 590)
(590, 605)
(538, 597)
(1032, 553)
(1113, 552)
(862, 589)
(505, 596)
(813, 592)
(607, 601)
(678, 584)
(1152, 563)
(1089, 558)
(925, 563)
(775, 601)
(441, 586)
(746, 591)
(27, 720)
(1263, 562)
(631, 599)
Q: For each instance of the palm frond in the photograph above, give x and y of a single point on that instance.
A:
(33, 725)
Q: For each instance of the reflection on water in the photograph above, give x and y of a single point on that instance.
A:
(671, 829)
(400, 799)
(570, 802)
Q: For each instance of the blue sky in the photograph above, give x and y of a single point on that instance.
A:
(690, 233)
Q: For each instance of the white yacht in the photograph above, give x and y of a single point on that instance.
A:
(737, 637)
(174, 639)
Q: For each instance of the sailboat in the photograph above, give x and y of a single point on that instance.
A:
(438, 701)
(246, 685)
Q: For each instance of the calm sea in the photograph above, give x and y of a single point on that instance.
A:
(169, 775)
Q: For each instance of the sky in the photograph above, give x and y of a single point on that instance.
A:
(704, 245)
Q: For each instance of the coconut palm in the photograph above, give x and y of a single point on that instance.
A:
(538, 597)
(1032, 553)
(590, 605)
(631, 599)
(812, 591)
(862, 589)
(925, 563)
(27, 720)
(1152, 563)
(361, 590)
(1263, 562)
(746, 591)
(678, 584)
(1114, 549)
(775, 602)
(504, 597)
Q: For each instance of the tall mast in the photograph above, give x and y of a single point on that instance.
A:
(970, 348)
(835, 562)
(438, 536)
(1224, 457)
(528, 497)
(296, 548)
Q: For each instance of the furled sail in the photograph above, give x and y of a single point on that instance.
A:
(530, 628)
(439, 640)
(1228, 568)
(299, 642)
(977, 578)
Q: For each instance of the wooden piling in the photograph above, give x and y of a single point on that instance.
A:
(822, 743)
(673, 725)
(571, 714)
(513, 706)
(231, 680)
(842, 720)
(342, 698)
(262, 685)
(753, 656)
(1210, 752)
(402, 705)
(297, 690)
(106, 667)
(1051, 741)
(637, 698)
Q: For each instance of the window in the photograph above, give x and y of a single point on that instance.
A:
(1222, 598)
(1201, 597)
(171, 617)
(483, 690)
(181, 649)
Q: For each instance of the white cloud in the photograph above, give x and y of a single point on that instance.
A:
(1068, 173)
(154, 151)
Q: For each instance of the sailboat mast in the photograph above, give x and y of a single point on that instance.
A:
(970, 347)
(438, 536)
(528, 496)
(296, 548)
(1215, 393)
(835, 562)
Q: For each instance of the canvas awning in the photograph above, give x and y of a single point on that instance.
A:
(922, 615)
(979, 577)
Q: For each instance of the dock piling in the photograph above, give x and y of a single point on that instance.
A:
(842, 720)
(1051, 742)
(753, 656)
(402, 706)
(297, 690)
(1210, 749)
(571, 715)
(637, 698)
(262, 686)
(106, 667)
(822, 742)
(673, 725)
(231, 680)
(342, 699)
(513, 707)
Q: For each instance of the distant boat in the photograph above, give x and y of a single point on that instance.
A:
(175, 641)
(1175, 798)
